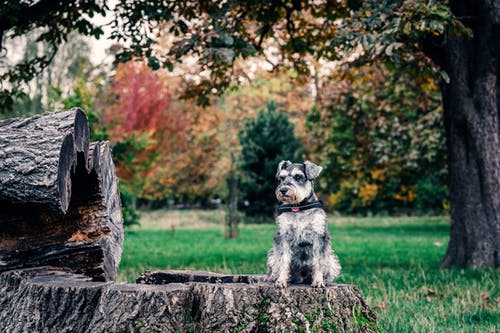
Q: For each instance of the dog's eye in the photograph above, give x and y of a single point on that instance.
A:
(297, 177)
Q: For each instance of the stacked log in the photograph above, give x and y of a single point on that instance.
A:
(59, 198)
(37, 157)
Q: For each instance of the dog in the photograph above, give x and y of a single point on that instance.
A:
(302, 252)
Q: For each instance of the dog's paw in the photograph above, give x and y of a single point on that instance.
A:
(318, 284)
(280, 283)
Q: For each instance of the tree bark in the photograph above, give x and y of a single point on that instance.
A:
(44, 300)
(79, 228)
(471, 115)
(48, 300)
(233, 216)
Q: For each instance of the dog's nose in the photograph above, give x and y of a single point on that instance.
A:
(283, 190)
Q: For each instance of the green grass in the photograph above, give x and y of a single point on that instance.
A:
(394, 261)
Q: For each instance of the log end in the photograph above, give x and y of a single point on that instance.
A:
(74, 153)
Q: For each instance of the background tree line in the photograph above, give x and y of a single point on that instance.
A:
(453, 43)
(376, 129)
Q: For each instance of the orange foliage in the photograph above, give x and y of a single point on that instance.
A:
(188, 171)
(368, 193)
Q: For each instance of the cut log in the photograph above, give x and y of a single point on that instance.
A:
(44, 300)
(37, 156)
(143, 308)
(87, 239)
(80, 228)
(265, 308)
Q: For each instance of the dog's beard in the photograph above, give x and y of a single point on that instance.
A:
(289, 197)
(295, 195)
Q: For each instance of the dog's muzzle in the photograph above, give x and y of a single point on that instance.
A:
(284, 190)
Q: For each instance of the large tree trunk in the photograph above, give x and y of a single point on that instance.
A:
(59, 199)
(48, 300)
(471, 115)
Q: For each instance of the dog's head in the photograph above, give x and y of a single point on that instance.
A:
(296, 181)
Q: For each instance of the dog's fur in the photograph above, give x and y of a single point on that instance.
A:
(302, 252)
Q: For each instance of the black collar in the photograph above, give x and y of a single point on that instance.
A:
(284, 208)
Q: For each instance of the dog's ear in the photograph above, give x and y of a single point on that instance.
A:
(312, 170)
(282, 165)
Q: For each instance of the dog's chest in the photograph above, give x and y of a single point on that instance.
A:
(302, 225)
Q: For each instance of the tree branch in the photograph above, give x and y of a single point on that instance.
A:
(25, 16)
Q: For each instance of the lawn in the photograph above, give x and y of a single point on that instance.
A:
(394, 261)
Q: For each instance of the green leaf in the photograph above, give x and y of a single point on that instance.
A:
(445, 76)
(153, 62)
(389, 49)
(169, 65)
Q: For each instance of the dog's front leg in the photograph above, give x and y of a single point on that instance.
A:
(282, 263)
(317, 269)
(278, 262)
(284, 267)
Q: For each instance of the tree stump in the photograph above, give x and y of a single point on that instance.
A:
(51, 300)
(47, 300)
(246, 303)
(59, 198)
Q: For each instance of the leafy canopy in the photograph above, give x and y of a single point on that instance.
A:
(54, 21)
(220, 32)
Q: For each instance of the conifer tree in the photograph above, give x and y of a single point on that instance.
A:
(265, 141)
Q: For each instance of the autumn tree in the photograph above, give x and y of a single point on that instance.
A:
(186, 169)
(135, 112)
(377, 131)
(460, 40)
(472, 121)
(165, 147)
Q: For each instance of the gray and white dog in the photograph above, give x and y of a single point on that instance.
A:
(302, 252)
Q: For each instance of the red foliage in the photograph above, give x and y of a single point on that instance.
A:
(137, 106)
(142, 99)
